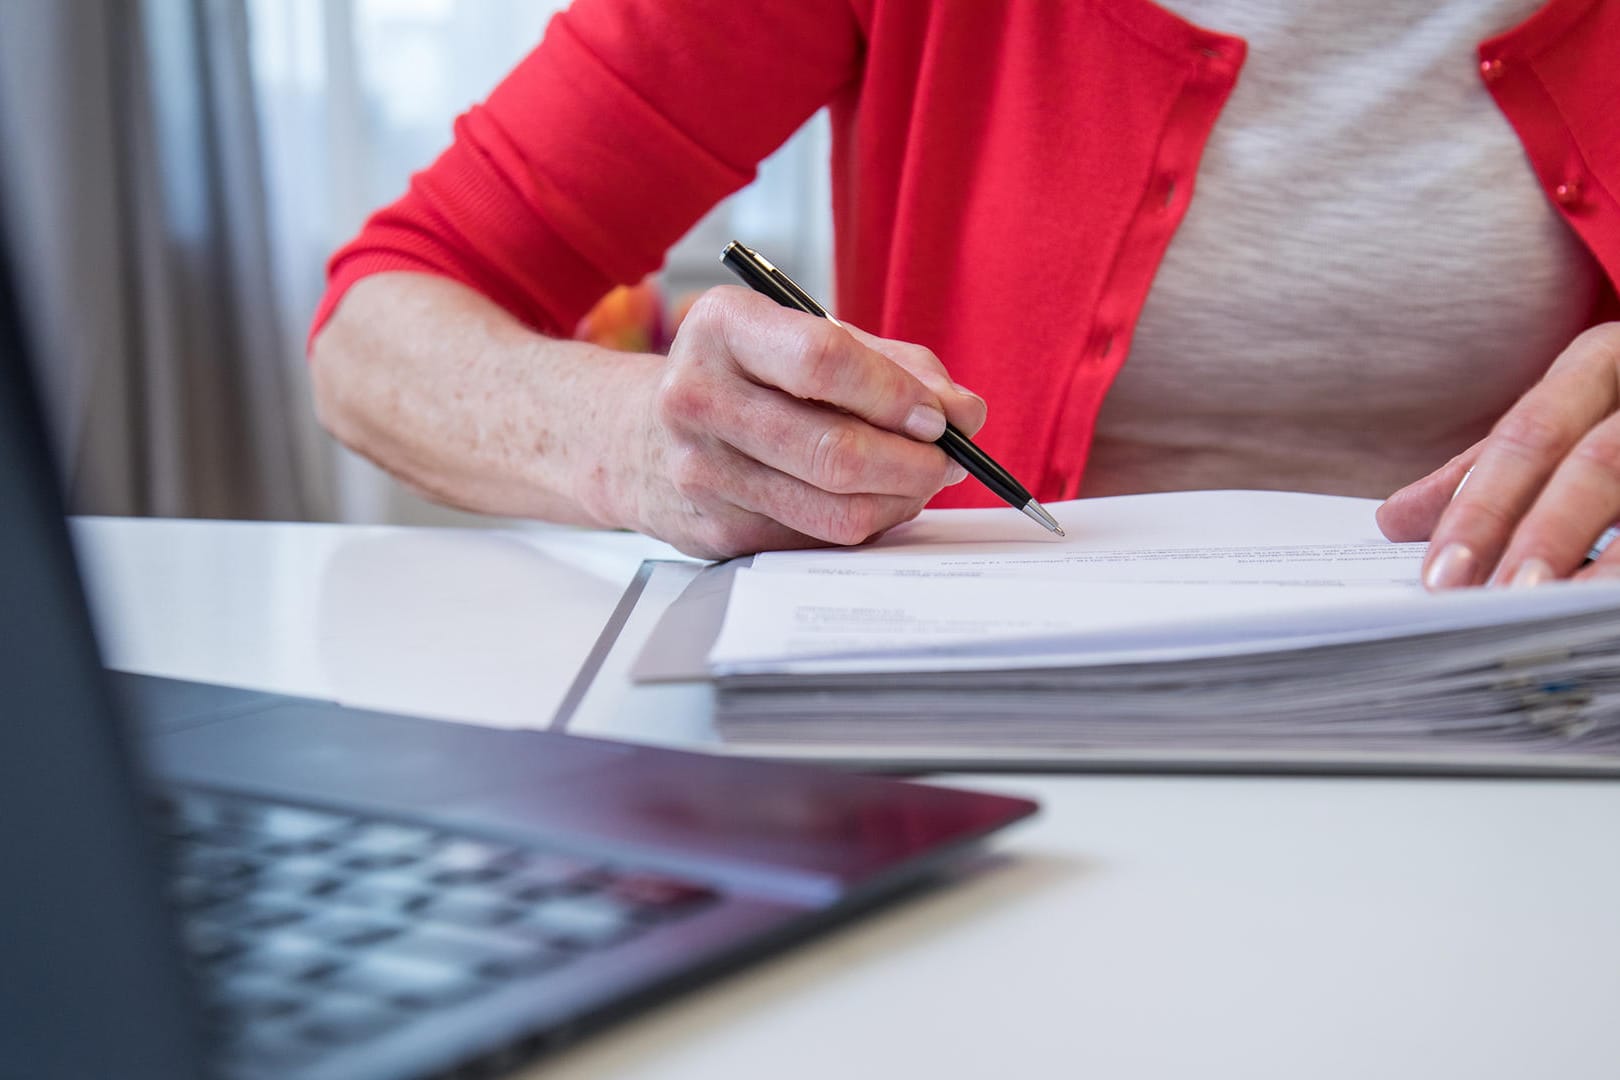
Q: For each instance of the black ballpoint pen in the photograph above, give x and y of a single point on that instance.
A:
(758, 274)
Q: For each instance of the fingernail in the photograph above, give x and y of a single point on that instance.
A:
(956, 475)
(1454, 566)
(1531, 572)
(925, 422)
(960, 389)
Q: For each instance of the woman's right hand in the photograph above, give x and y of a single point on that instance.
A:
(769, 428)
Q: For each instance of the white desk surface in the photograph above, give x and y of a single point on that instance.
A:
(1140, 927)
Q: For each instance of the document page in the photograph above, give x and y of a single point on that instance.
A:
(1198, 537)
(1395, 565)
(868, 620)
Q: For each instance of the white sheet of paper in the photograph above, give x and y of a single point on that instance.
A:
(1394, 565)
(1175, 520)
(1194, 537)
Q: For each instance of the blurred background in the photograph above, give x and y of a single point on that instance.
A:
(176, 172)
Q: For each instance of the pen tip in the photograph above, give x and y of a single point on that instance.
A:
(1039, 513)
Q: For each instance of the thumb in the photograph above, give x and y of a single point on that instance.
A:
(1413, 511)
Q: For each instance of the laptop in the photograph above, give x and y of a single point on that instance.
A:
(206, 881)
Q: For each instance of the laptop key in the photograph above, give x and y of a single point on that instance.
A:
(259, 912)
(347, 1018)
(381, 846)
(251, 996)
(537, 961)
(408, 982)
(460, 947)
(471, 862)
(304, 873)
(546, 873)
(292, 955)
(386, 892)
(469, 907)
(339, 927)
(583, 921)
(381, 860)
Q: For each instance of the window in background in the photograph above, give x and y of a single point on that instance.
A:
(355, 95)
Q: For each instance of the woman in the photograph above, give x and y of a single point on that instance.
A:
(1398, 231)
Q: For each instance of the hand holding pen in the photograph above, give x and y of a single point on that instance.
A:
(758, 274)
(773, 429)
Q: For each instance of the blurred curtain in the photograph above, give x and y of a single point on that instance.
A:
(136, 196)
(177, 172)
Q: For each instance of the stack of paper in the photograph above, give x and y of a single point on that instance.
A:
(1221, 621)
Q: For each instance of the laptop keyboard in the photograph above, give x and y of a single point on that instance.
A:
(315, 930)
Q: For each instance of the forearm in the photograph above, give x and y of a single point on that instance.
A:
(763, 428)
(456, 398)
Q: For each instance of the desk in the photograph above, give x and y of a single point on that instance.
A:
(1141, 927)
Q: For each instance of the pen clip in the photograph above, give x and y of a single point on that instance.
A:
(761, 275)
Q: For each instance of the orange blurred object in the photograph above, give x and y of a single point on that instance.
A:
(628, 318)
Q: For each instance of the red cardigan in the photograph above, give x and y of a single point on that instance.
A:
(1006, 176)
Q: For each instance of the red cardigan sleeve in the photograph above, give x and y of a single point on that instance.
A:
(631, 119)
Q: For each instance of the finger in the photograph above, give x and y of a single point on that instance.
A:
(1579, 502)
(717, 480)
(826, 447)
(723, 531)
(1412, 512)
(1606, 566)
(1514, 463)
(830, 450)
(845, 520)
(819, 360)
(963, 407)
(707, 522)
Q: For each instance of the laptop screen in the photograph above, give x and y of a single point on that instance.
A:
(93, 985)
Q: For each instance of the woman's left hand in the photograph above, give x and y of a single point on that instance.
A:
(1540, 488)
